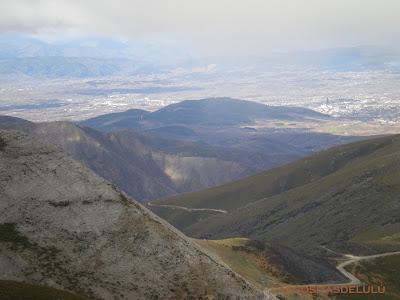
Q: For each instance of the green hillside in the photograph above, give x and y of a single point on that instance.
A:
(13, 290)
(378, 272)
(345, 198)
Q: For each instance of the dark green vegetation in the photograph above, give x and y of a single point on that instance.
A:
(50, 259)
(345, 198)
(9, 234)
(237, 194)
(2, 143)
(12, 290)
(378, 272)
(183, 219)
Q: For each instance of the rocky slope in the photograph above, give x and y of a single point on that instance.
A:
(64, 227)
(144, 166)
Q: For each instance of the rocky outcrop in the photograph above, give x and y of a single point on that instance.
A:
(64, 227)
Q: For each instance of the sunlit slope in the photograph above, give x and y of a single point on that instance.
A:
(345, 197)
(250, 259)
(378, 272)
(270, 265)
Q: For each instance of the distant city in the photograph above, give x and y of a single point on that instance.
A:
(364, 95)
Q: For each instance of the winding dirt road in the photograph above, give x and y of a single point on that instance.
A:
(187, 208)
(352, 259)
(353, 281)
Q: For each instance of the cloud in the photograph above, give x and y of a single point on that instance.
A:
(222, 24)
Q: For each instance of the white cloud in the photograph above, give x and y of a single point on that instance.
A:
(222, 24)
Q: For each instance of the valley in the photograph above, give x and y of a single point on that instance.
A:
(306, 204)
(159, 154)
(267, 226)
(199, 150)
(274, 206)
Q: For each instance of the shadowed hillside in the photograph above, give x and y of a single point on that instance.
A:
(148, 166)
(211, 111)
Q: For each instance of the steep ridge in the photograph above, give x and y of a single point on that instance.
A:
(345, 198)
(145, 167)
(131, 169)
(62, 226)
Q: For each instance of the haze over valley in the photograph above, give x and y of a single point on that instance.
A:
(75, 80)
(199, 149)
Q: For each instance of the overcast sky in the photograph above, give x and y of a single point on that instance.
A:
(230, 24)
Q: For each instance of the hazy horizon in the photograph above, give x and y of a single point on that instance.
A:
(76, 59)
(218, 27)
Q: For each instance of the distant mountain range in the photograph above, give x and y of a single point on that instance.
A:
(56, 67)
(227, 122)
(24, 54)
(150, 162)
(206, 112)
(66, 228)
(63, 57)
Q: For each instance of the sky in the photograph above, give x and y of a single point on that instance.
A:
(244, 26)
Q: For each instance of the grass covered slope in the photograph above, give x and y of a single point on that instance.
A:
(345, 198)
(14, 290)
(378, 272)
(66, 228)
(240, 193)
(249, 259)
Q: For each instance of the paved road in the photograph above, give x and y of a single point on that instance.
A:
(189, 209)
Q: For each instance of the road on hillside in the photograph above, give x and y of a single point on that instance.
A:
(352, 259)
(188, 209)
(353, 281)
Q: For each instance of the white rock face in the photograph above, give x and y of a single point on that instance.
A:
(63, 226)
